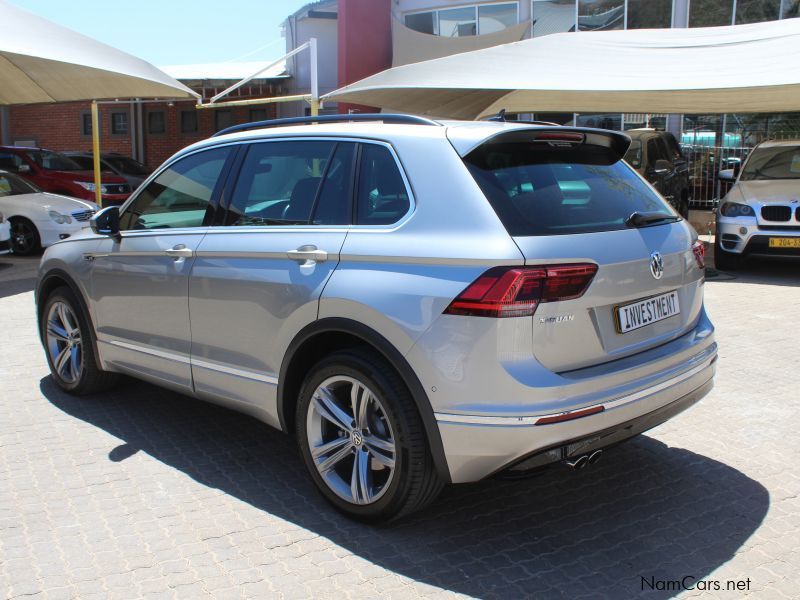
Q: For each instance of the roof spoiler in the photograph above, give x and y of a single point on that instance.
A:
(557, 136)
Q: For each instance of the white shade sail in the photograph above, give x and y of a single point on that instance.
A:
(742, 68)
(41, 61)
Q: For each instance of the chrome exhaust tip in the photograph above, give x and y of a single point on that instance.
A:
(595, 456)
(578, 463)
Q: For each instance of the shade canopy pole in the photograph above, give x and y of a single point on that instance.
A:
(98, 194)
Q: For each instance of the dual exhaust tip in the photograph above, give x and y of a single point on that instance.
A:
(582, 461)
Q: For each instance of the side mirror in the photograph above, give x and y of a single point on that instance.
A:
(661, 167)
(106, 222)
(24, 169)
(727, 174)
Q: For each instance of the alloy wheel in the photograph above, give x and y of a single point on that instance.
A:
(64, 343)
(23, 238)
(351, 440)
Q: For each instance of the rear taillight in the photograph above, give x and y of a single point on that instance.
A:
(699, 251)
(517, 291)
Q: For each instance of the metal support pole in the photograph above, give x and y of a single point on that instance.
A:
(312, 49)
(98, 195)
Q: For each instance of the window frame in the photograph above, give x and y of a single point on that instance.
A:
(127, 131)
(196, 122)
(474, 7)
(234, 171)
(163, 122)
(218, 193)
(624, 21)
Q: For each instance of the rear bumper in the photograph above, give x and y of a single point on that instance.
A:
(477, 446)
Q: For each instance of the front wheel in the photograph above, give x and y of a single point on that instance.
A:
(24, 237)
(68, 344)
(362, 438)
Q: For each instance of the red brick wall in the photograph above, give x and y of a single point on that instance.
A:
(365, 42)
(59, 127)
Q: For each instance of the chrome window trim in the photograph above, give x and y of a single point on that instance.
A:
(216, 229)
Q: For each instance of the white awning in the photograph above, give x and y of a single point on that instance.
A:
(742, 68)
(232, 70)
(41, 61)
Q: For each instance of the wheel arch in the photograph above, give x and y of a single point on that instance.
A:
(330, 334)
(53, 280)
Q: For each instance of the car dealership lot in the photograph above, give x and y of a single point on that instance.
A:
(143, 492)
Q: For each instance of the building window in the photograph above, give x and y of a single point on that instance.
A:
(597, 15)
(155, 122)
(552, 16)
(790, 9)
(710, 13)
(86, 125)
(258, 114)
(222, 119)
(424, 22)
(119, 123)
(189, 121)
(465, 20)
(649, 14)
(756, 11)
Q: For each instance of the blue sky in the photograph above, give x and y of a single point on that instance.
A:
(174, 32)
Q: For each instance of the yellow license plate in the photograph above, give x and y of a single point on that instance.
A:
(784, 242)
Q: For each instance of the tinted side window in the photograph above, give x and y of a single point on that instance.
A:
(653, 153)
(180, 196)
(9, 161)
(382, 195)
(278, 183)
(662, 147)
(334, 205)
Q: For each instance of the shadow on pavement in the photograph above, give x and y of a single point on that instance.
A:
(760, 271)
(646, 510)
(17, 274)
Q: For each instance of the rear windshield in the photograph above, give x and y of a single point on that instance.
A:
(543, 189)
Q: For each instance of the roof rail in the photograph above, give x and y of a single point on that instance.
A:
(386, 118)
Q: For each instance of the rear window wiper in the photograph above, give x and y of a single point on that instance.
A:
(645, 219)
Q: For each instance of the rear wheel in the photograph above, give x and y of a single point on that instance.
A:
(69, 346)
(362, 438)
(25, 238)
(723, 260)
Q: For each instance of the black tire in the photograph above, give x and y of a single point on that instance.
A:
(414, 483)
(91, 379)
(25, 238)
(723, 260)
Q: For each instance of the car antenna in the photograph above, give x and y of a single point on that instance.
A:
(501, 116)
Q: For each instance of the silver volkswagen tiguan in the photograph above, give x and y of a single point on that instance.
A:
(419, 302)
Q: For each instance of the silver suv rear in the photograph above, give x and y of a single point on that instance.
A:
(419, 302)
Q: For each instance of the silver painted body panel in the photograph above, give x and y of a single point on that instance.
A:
(217, 324)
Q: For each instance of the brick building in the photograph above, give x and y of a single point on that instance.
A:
(148, 131)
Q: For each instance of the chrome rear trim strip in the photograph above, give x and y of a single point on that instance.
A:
(532, 419)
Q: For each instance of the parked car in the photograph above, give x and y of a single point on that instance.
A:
(38, 219)
(760, 215)
(658, 158)
(419, 302)
(129, 169)
(56, 173)
(5, 234)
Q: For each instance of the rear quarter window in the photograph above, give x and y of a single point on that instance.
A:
(542, 189)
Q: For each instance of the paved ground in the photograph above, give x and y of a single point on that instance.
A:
(143, 492)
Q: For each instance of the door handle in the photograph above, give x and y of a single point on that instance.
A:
(307, 253)
(179, 251)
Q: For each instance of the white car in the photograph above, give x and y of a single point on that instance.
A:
(760, 215)
(39, 219)
(5, 235)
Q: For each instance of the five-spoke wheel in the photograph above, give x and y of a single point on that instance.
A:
(64, 344)
(362, 437)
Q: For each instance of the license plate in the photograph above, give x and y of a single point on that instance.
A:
(644, 312)
(784, 242)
